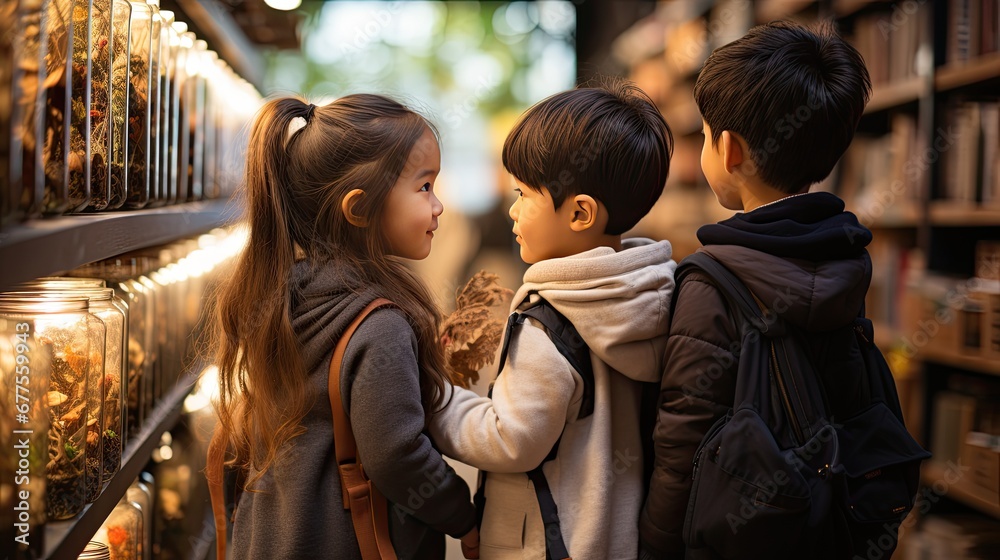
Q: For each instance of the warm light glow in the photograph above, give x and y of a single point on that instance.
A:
(284, 5)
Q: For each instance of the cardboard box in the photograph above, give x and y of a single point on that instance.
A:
(988, 260)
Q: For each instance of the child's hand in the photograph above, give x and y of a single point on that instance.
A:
(470, 544)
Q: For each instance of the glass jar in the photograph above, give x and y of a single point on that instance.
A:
(61, 331)
(142, 495)
(99, 333)
(118, 104)
(196, 119)
(25, 367)
(122, 274)
(154, 302)
(148, 483)
(164, 124)
(100, 131)
(95, 550)
(31, 97)
(78, 156)
(8, 83)
(122, 531)
(114, 316)
(140, 71)
(209, 68)
(153, 99)
(58, 103)
(180, 47)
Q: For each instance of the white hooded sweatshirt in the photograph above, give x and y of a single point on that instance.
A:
(619, 303)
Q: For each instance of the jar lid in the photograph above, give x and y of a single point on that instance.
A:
(95, 551)
(57, 291)
(72, 280)
(35, 303)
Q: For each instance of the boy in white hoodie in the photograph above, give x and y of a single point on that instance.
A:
(589, 164)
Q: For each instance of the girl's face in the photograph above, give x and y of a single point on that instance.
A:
(410, 214)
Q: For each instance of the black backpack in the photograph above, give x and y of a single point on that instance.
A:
(779, 476)
(571, 346)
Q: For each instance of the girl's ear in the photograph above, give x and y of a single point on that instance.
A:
(586, 212)
(347, 207)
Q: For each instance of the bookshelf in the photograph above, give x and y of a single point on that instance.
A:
(934, 475)
(918, 175)
(960, 214)
(889, 96)
(955, 75)
(965, 362)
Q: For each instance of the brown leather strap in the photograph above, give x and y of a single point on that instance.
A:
(369, 510)
(213, 472)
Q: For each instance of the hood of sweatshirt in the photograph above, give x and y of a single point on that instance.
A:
(325, 299)
(619, 301)
(803, 254)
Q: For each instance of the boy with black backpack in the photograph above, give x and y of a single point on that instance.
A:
(559, 442)
(779, 432)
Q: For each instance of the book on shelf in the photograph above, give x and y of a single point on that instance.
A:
(954, 417)
(889, 44)
(879, 175)
(970, 168)
(885, 298)
(973, 29)
(989, 26)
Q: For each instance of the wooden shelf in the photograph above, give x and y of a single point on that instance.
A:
(897, 216)
(49, 246)
(887, 96)
(963, 214)
(900, 214)
(968, 73)
(67, 539)
(963, 361)
(934, 472)
(770, 10)
(844, 8)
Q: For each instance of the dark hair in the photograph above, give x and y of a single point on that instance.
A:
(794, 94)
(294, 185)
(608, 141)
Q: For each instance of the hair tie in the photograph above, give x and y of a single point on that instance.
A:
(309, 112)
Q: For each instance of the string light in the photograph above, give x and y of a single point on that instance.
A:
(283, 5)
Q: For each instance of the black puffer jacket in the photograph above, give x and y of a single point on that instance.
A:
(805, 258)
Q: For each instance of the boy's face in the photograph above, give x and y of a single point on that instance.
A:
(542, 231)
(719, 179)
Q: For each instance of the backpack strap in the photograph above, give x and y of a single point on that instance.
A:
(571, 346)
(567, 341)
(369, 510)
(213, 472)
(733, 290)
(368, 506)
(802, 397)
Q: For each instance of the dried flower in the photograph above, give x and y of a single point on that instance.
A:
(117, 535)
(472, 334)
(55, 398)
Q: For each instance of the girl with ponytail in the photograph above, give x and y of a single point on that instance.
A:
(336, 197)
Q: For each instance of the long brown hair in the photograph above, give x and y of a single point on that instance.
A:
(294, 185)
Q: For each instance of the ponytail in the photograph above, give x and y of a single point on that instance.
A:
(255, 337)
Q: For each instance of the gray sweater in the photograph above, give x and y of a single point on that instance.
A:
(296, 509)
